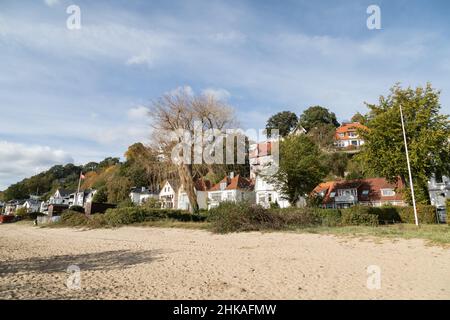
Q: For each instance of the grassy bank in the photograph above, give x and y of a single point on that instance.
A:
(436, 234)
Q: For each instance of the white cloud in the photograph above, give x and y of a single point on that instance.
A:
(138, 113)
(220, 93)
(18, 161)
(52, 3)
(182, 89)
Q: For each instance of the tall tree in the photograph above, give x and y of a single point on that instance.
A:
(302, 167)
(316, 116)
(284, 121)
(175, 115)
(358, 117)
(427, 133)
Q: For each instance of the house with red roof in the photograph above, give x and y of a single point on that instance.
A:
(231, 188)
(347, 135)
(373, 192)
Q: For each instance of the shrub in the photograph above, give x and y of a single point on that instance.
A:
(127, 203)
(21, 212)
(152, 203)
(359, 215)
(124, 216)
(241, 216)
(386, 214)
(329, 217)
(297, 217)
(77, 209)
(73, 219)
(425, 213)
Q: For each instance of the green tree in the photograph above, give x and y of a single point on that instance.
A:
(302, 167)
(284, 121)
(358, 117)
(317, 115)
(101, 196)
(427, 133)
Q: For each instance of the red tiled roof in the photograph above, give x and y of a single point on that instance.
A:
(373, 185)
(348, 127)
(236, 183)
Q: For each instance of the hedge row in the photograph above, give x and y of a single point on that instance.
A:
(124, 216)
(231, 217)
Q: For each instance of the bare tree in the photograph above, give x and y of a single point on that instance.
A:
(179, 112)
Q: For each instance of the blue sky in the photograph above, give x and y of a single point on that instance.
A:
(81, 95)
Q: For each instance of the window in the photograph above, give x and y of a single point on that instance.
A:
(354, 142)
(341, 135)
(229, 196)
(223, 185)
(365, 192)
(347, 192)
(332, 194)
(352, 134)
(216, 197)
(387, 192)
(269, 197)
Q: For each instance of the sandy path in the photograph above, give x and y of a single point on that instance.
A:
(153, 263)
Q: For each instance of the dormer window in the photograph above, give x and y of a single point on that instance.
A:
(365, 192)
(332, 194)
(223, 185)
(387, 192)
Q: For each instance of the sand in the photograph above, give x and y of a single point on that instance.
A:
(157, 263)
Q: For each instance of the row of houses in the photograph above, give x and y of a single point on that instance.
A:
(60, 200)
(254, 189)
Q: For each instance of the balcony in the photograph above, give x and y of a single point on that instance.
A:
(346, 198)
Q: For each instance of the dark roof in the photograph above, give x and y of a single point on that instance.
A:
(65, 192)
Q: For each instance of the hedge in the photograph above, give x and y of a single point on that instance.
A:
(425, 213)
(124, 216)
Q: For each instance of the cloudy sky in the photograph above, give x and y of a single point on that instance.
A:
(81, 95)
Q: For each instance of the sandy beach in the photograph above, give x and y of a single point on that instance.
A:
(156, 263)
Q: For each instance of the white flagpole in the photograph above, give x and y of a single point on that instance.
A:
(409, 168)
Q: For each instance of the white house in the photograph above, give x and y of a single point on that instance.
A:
(140, 195)
(267, 194)
(201, 190)
(61, 196)
(82, 197)
(168, 195)
(232, 189)
(32, 205)
(260, 157)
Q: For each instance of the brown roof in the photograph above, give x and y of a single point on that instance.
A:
(348, 127)
(373, 185)
(236, 183)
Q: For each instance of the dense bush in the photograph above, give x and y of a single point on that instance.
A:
(77, 209)
(386, 214)
(123, 216)
(73, 218)
(426, 214)
(359, 215)
(234, 217)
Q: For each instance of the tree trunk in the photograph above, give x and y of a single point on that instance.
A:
(185, 171)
